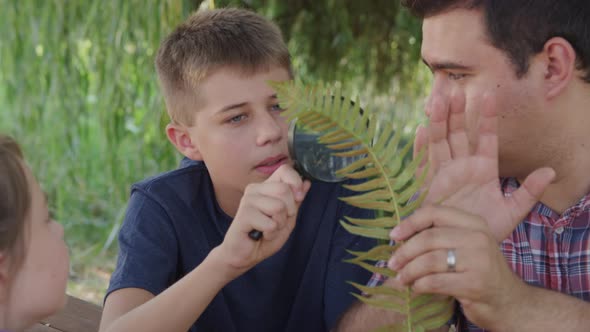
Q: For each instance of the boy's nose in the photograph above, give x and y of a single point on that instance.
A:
(269, 129)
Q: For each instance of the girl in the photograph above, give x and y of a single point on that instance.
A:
(34, 261)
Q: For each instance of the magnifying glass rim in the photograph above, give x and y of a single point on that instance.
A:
(299, 165)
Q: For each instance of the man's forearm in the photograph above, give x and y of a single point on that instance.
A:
(546, 310)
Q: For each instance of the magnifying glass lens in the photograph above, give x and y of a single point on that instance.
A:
(315, 160)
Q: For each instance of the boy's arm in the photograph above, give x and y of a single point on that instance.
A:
(175, 309)
(270, 207)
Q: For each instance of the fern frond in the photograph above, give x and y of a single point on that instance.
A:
(381, 303)
(378, 290)
(384, 222)
(374, 184)
(384, 182)
(372, 232)
(365, 173)
(378, 253)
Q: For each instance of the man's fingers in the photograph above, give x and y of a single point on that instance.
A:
(431, 262)
(434, 239)
(420, 141)
(438, 148)
(531, 190)
(435, 215)
(452, 284)
(458, 141)
(487, 142)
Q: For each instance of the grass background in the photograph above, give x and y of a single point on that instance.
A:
(78, 90)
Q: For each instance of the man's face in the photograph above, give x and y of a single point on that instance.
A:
(240, 132)
(455, 47)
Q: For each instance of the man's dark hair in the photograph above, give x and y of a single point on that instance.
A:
(521, 28)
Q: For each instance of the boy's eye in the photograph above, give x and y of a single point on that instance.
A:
(237, 118)
(277, 107)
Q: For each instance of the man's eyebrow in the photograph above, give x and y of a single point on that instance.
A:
(445, 65)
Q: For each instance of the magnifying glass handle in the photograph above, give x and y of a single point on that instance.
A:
(255, 235)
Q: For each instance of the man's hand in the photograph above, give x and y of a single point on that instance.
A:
(465, 211)
(468, 178)
(270, 207)
(482, 281)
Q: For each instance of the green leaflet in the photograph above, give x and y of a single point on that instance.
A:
(385, 183)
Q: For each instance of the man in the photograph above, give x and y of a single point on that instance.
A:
(509, 98)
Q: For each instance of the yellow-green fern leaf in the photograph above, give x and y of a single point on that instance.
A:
(382, 181)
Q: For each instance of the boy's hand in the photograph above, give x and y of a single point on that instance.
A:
(270, 207)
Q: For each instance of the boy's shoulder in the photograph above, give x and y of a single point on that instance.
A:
(188, 177)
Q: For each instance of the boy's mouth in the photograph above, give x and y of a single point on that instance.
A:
(269, 165)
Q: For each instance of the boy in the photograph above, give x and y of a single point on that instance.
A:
(34, 261)
(185, 260)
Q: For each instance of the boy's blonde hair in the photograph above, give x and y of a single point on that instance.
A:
(15, 200)
(209, 40)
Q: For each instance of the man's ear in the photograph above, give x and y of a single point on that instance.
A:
(559, 64)
(180, 137)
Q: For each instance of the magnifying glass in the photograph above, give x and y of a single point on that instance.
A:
(314, 160)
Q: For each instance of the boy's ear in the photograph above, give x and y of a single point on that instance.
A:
(560, 65)
(180, 137)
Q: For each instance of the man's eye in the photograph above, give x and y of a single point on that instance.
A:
(454, 76)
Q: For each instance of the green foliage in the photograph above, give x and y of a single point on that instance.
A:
(387, 185)
(78, 90)
(365, 43)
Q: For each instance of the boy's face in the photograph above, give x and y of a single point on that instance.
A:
(456, 48)
(38, 287)
(240, 132)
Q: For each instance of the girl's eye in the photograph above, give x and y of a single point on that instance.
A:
(237, 118)
(50, 215)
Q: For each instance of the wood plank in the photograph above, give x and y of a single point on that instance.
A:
(77, 316)
(42, 328)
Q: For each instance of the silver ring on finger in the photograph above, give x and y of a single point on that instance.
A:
(451, 261)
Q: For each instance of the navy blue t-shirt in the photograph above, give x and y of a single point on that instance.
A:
(173, 221)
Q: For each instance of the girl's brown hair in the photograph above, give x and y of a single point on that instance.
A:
(15, 200)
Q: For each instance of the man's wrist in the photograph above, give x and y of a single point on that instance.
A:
(510, 311)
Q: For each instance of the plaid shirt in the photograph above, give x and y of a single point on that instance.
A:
(546, 250)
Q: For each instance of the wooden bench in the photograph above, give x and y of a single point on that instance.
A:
(77, 316)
